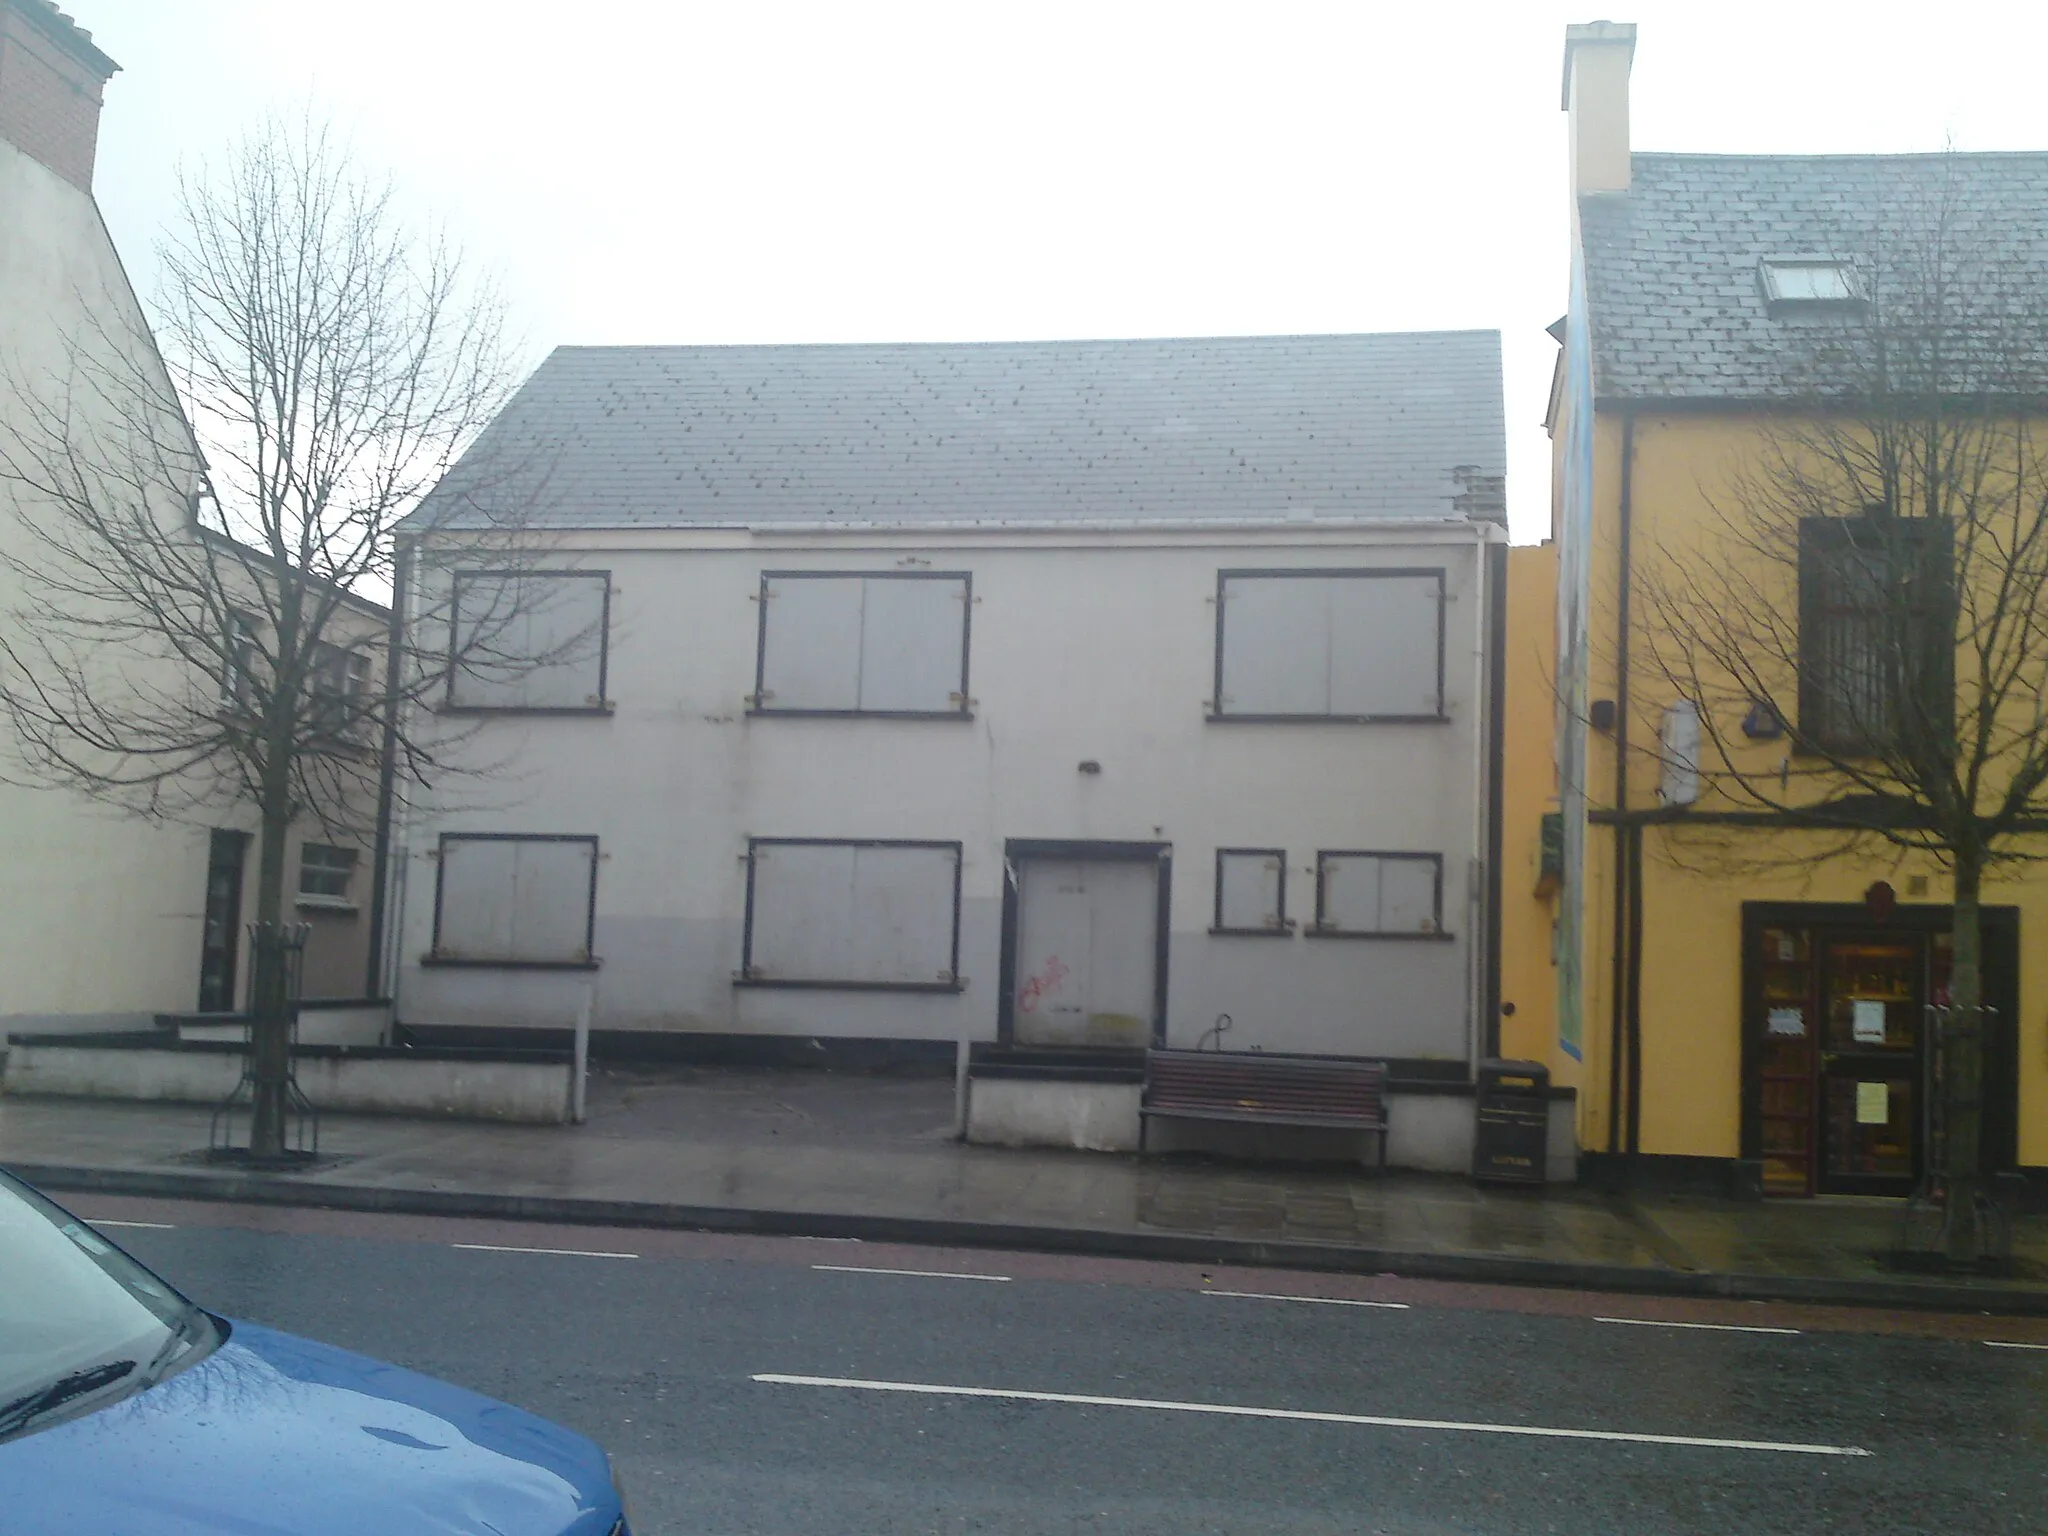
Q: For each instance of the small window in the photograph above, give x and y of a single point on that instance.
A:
(852, 915)
(515, 900)
(238, 660)
(1379, 895)
(529, 640)
(339, 685)
(1329, 645)
(886, 643)
(1810, 284)
(1251, 891)
(325, 873)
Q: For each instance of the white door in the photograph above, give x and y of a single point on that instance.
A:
(1087, 952)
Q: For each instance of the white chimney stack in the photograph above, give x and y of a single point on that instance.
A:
(1597, 55)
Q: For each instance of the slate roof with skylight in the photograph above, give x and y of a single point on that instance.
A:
(1701, 277)
(1283, 429)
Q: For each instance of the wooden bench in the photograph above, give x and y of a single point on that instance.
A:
(1328, 1092)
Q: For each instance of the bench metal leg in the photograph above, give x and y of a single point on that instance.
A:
(1379, 1136)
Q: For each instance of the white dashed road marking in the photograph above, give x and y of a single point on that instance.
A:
(1306, 1416)
(1656, 1322)
(572, 1253)
(154, 1226)
(2010, 1344)
(1323, 1301)
(927, 1274)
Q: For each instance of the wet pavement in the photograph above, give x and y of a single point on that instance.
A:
(808, 1146)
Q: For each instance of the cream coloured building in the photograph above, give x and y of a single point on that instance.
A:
(108, 920)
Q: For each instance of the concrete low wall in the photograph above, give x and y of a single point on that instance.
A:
(73, 1023)
(73, 1072)
(1431, 1132)
(351, 1023)
(1024, 1112)
(532, 1092)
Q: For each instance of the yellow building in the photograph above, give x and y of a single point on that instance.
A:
(1732, 1018)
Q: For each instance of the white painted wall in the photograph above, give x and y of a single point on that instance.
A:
(100, 910)
(1087, 646)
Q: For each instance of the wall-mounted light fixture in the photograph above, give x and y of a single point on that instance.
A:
(1763, 722)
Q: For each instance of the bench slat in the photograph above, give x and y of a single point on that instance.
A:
(1331, 1092)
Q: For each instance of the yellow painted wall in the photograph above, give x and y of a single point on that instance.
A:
(1528, 979)
(1692, 893)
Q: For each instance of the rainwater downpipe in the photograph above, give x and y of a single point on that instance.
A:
(1634, 999)
(375, 979)
(1618, 981)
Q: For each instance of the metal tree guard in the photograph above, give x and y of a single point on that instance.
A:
(288, 942)
(1931, 1214)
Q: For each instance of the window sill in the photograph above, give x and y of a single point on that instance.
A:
(609, 707)
(455, 962)
(1314, 932)
(341, 904)
(754, 712)
(1212, 718)
(764, 983)
(1284, 931)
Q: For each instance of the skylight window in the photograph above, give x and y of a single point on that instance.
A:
(1803, 283)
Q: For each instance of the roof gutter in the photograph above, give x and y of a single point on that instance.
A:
(1492, 531)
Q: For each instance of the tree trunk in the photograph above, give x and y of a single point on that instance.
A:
(1962, 1066)
(270, 984)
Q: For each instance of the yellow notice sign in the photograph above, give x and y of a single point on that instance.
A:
(1873, 1103)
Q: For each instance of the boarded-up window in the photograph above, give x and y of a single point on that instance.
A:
(529, 639)
(879, 644)
(1379, 893)
(515, 900)
(1346, 645)
(1251, 890)
(852, 914)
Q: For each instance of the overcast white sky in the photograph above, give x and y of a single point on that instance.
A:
(640, 171)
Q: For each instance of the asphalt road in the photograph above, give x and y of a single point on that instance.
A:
(763, 1385)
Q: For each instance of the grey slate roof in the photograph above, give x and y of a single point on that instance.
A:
(1671, 265)
(1406, 425)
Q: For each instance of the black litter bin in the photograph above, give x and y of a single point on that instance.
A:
(1513, 1113)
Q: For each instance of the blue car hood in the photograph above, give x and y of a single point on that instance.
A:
(272, 1435)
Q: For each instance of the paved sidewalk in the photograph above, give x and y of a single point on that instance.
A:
(859, 1155)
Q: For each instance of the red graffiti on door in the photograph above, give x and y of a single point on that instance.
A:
(1044, 984)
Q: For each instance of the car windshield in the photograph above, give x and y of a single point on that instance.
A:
(77, 1316)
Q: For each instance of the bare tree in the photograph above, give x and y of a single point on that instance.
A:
(207, 523)
(1862, 625)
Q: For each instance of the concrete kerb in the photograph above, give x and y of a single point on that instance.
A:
(1187, 1248)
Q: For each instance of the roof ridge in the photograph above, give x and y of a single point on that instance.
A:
(1909, 154)
(991, 345)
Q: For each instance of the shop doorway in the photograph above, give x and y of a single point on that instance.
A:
(1836, 1054)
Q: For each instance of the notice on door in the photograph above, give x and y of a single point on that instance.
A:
(1787, 1022)
(1867, 1021)
(1873, 1103)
